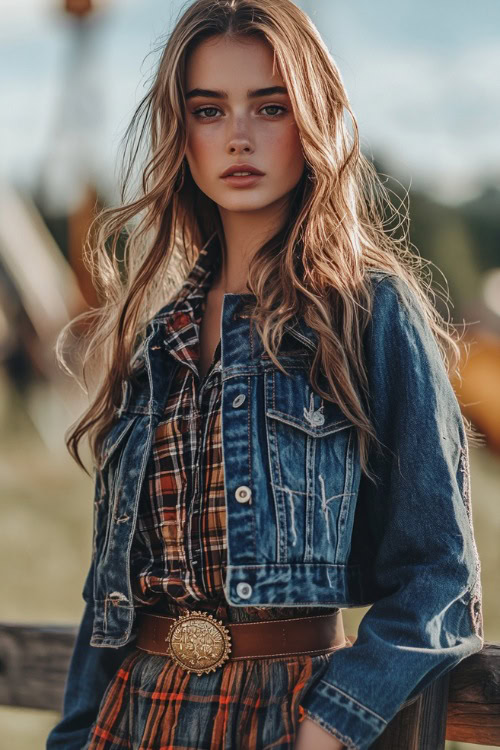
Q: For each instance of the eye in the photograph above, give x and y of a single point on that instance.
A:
(201, 112)
(281, 109)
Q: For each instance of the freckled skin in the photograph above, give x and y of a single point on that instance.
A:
(242, 129)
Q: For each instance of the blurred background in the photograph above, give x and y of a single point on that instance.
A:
(423, 83)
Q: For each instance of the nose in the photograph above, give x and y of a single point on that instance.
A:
(238, 146)
(239, 141)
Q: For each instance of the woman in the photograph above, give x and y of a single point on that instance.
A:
(280, 440)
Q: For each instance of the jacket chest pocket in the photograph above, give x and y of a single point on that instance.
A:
(310, 446)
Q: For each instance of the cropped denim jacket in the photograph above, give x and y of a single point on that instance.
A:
(314, 529)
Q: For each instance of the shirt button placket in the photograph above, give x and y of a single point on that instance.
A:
(194, 506)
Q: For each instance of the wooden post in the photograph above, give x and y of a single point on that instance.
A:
(421, 723)
(474, 701)
(33, 664)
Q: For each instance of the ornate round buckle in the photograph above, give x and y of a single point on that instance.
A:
(199, 643)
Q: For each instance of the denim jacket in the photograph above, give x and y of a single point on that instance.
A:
(310, 528)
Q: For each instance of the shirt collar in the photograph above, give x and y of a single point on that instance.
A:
(199, 280)
(181, 327)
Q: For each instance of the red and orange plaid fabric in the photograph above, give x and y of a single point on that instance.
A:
(252, 704)
(178, 561)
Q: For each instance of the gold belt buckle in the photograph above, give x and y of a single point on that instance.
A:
(199, 643)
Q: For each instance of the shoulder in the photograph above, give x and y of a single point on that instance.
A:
(388, 281)
(399, 334)
(394, 300)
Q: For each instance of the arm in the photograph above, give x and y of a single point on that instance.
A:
(415, 526)
(311, 736)
(90, 671)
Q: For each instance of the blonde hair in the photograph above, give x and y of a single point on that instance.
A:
(315, 266)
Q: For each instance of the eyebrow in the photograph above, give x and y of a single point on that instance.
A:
(208, 93)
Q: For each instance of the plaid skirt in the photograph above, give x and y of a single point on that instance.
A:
(250, 704)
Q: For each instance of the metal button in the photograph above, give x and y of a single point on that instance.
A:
(243, 494)
(318, 418)
(244, 590)
(239, 400)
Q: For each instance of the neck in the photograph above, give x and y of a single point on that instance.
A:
(244, 234)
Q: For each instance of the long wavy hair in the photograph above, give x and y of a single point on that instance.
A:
(314, 267)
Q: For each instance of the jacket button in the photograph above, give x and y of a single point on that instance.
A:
(243, 494)
(239, 400)
(244, 590)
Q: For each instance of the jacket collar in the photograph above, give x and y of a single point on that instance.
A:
(193, 290)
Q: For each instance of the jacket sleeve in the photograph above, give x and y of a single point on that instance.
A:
(416, 525)
(90, 671)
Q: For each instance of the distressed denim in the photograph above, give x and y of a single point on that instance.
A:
(314, 530)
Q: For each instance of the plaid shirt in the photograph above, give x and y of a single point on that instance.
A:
(179, 547)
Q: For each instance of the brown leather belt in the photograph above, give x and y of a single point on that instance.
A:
(199, 643)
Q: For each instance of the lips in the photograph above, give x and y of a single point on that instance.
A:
(241, 168)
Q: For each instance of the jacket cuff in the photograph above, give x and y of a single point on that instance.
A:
(345, 718)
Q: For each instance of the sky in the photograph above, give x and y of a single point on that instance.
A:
(422, 80)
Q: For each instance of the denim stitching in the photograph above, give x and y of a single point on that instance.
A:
(475, 603)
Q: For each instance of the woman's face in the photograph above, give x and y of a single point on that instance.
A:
(227, 126)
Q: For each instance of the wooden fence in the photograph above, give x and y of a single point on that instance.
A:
(464, 705)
